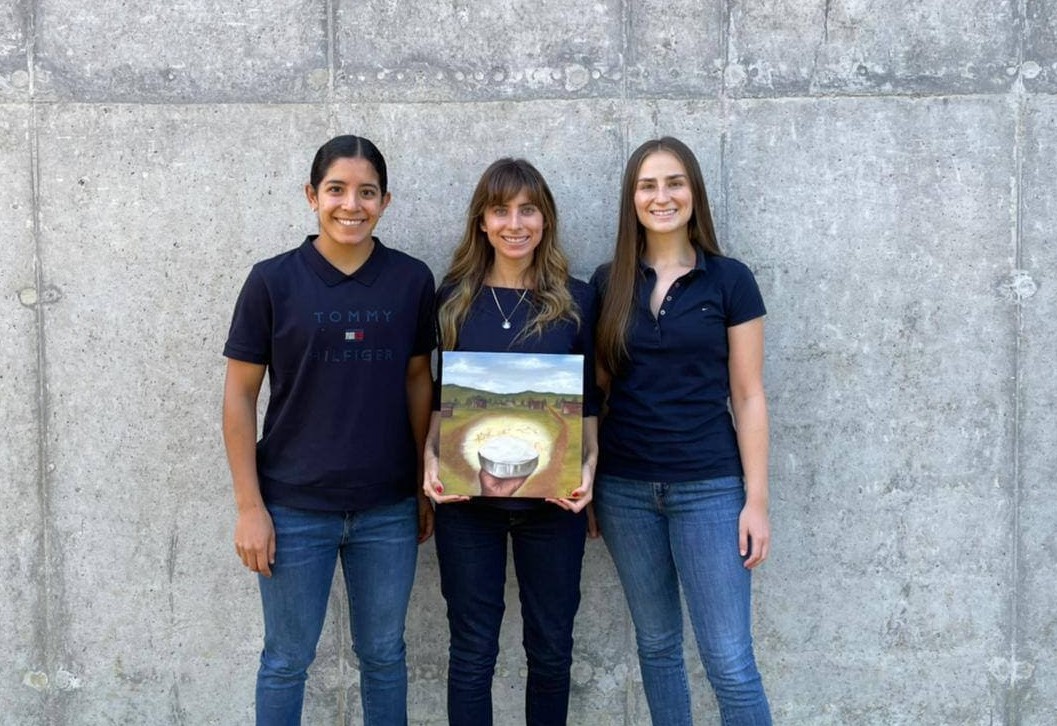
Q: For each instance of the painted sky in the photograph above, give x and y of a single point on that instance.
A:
(515, 372)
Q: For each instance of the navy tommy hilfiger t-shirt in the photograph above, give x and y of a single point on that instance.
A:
(336, 433)
(667, 417)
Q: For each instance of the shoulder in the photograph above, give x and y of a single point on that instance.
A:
(730, 269)
(406, 263)
(601, 276)
(272, 265)
(729, 266)
(582, 293)
(274, 272)
(445, 291)
(578, 288)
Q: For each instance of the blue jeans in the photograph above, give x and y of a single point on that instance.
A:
(377, 549)
(548, 545)
(661, 536)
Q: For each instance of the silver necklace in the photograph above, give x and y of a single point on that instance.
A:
(506, 319)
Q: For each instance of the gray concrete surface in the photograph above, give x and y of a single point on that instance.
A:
(886, 169)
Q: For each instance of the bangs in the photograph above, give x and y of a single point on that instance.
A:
(507, 181)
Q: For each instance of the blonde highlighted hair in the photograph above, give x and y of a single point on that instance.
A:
(474, 256)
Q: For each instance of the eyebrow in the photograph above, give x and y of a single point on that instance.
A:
(667, 178)
(339, 182)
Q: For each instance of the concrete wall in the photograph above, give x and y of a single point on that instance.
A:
(886, 168)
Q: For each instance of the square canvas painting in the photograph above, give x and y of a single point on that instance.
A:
(511, 424)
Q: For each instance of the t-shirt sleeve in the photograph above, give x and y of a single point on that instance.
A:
(426, 325)
(250, 334)
(744, 301)
(598, 283)
(589, 318)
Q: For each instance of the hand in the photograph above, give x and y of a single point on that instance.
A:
(255, 539)
(431, 485)
(580, 497)
(754, 530)
(425, 518)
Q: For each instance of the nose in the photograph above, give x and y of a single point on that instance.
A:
(351, 201)
(515, 220)
(662, 193)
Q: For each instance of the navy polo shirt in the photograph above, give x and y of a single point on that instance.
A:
(668, 418)
(336, 433)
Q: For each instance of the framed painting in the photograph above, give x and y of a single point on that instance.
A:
(511, 424)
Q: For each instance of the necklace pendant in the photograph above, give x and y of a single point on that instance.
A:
(506, 325)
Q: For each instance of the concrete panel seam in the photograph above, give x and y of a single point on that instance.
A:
(331, 45)
(47, 584)
(823, 39)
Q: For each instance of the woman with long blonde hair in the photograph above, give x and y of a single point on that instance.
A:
(508, 289)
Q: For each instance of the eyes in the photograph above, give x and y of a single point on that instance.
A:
(649, 185)
(365, 192)
(525, 210)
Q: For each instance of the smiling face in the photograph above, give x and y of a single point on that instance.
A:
(514, 227)
(663, 200)
(349, 202)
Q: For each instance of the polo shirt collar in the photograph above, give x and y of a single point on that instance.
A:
(700, 262)
(366, 275)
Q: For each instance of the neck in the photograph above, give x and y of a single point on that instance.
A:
(510, 273)
(673, 249)
(346, 258)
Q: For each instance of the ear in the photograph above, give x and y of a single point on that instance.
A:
(386, 198)
(310, 195)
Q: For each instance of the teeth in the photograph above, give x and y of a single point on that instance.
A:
(349, 222)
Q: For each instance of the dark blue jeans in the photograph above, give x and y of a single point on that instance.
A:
(667, 536)
(548, 547)
(377, 549)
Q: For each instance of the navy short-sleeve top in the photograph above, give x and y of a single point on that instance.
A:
(336, 432)
(668, 418)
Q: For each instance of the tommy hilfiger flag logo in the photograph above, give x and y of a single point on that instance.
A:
(355, 336)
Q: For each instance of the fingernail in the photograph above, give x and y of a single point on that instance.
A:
(440, 489)
(576, 495)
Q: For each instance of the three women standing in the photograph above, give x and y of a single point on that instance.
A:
(344, 327)
(508, 290)
(681, 495)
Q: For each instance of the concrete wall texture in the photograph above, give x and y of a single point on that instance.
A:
(886, 169)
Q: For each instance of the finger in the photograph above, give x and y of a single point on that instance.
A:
(575, 505)
(763, 550)
(258, 562)
(743, 539)
(450, 498)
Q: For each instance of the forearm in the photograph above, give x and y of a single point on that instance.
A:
(240, 441)
(590, 442)
(431, 451)
(750, 417)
